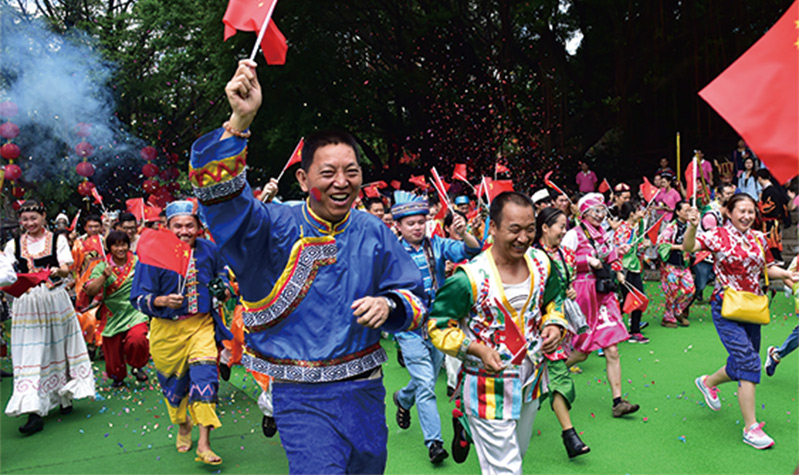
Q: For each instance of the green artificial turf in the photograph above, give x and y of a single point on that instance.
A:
(128, 431)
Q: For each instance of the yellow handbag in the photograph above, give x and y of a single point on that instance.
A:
(747, 307)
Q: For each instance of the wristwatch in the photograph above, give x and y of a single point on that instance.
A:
(391, 304)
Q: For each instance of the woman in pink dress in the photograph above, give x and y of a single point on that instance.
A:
(592, 249)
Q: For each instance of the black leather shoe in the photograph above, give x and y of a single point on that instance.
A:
(224, 371)
(460, 446)
(139, 374)
(450, 391)
(403, 416)
(437, 453)
(573, 443)
(269, 427)
(65, 409)
(118, 383)
(34, 424)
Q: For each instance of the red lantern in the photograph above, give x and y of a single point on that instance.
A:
(9, 130)
(172, 157)
(17, 205)
(173, 186)
(13, 172)
(150, 186)
(148, 153)
(18, 192)
(84, 149)
(85, 188)
(85, 169)
(83, 129)
(9, 151)
(150, 170)
(8, 109)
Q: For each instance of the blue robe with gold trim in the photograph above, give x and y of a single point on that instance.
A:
(298, 274)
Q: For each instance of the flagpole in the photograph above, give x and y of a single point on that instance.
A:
(263, 30)
(678, 144)
(694, 178)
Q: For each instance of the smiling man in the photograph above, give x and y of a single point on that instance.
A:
(500, 313)
(319, 282)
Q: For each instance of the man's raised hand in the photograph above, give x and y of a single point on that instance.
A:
(244, 96)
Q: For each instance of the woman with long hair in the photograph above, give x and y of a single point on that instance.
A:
(748, 183)
(677, 282)
(596, 254)
(739, 261)
(51, 364)
(551, 226)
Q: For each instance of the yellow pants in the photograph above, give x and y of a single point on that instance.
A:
(185, 356)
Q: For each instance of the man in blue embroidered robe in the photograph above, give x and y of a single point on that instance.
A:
(319, 282)
(422, 359)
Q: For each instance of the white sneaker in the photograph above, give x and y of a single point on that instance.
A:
(755, 437)
(710, 394)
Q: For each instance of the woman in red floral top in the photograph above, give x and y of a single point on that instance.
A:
(739, 260)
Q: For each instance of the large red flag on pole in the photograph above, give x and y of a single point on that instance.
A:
(758, 94)
(249, 15)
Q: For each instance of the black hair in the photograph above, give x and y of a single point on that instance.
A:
(731, 204)
(322, 138)
(116, 237)
(93, 217)
(499, 202)
(547, 216)
(371, 201)
(677, 208)
(626, 210)
(123, 217)
(448, 220)
(764, 174)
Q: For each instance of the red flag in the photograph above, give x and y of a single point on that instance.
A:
(649, 191)
(161, 248)
(135, 206)
(376, 184)
(442, 191)
(512, 337)
(152, 213)
(460, 172)
(419, 181)
(635, 300)
(495, 187)
(552, 185)
(758, 94)
(437, 230)
(652, 233)
(296, 157)
(701, 256)
(604, 186)
(396, 184)
(691, 181)
(473, 214)
(372, 192)
(249, 15)
(75, 221)
(500, 168)
(96, 195)
(94, 243)
(25, 282)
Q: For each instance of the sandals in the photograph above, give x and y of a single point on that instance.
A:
(403, 416)
(207, 457)
(184, 442)
(573, 443)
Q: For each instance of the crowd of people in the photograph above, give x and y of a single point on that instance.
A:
(509, 293)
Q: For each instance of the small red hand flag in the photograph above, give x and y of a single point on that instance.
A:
(419, 181)
(604, 186)
(635, 300)
(500, 168)
(295, 157)
(249, 15)
(649, 191)
(652, 233)
(460, 172)
(552, 185)
(97, 198)
(135, 206)
(75, 221)
(396, 184)
(161, 248)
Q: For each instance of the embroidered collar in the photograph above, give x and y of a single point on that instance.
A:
(323, 226)
(120, 272)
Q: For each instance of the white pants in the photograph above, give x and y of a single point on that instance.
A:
(452, 366)
(501, 444)
(265, 401)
